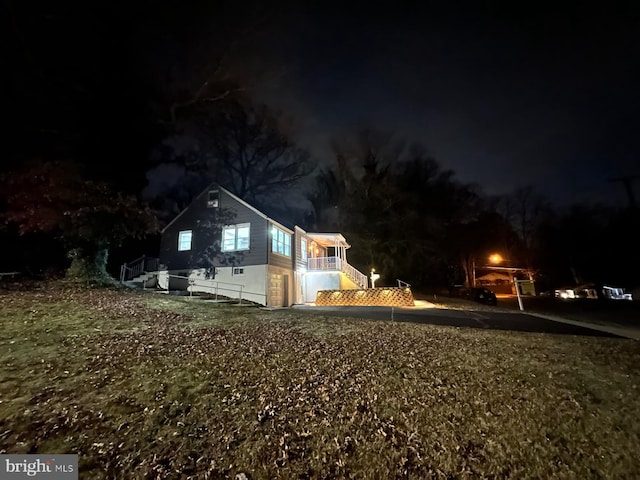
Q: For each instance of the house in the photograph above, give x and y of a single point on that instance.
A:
(616, 293)
(223, 245)
(588, 290)
(498, 282)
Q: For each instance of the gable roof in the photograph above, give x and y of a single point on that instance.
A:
(254, 209)
(236, 198)
(184, 209)
(239, 200)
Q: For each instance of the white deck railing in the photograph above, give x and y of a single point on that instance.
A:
(338, 265)
(324, 263)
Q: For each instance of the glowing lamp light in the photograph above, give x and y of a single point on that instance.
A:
(374, 276)
(495, 258)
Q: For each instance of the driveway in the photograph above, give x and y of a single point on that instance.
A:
(519, 322)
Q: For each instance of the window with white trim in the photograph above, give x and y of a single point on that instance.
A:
(235, 237)
(238, 271)
(303, 249)
(280, 242)
(184, 240)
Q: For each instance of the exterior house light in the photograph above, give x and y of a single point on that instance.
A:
(374, 276)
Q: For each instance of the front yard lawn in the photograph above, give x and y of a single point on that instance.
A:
(156, 386)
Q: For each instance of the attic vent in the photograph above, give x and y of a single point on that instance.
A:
(212, 200)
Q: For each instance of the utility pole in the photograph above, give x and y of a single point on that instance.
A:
(627, 182)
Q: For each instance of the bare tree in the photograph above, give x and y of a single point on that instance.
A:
(244, 147)
(253, 156)
(212, 71)
(524, 209)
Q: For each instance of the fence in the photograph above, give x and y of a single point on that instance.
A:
(381, 297)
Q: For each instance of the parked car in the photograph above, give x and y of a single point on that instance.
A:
(481, 295)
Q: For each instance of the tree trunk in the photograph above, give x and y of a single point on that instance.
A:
(89, 264)
(469, 271)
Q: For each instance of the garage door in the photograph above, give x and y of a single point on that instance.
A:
(275, 290)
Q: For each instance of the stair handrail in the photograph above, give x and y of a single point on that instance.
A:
(215, 285)
(354, 274)
(137, 267)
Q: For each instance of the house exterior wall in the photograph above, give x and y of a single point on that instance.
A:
(314, 281)
(299, 263)
(252, 281)
(298, 287)
(206, 237)
(276, 259)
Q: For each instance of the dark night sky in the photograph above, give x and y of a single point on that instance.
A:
(504, 98)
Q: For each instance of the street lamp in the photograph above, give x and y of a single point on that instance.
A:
(495, 258)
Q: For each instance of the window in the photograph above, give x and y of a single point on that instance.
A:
(303, 249)
(237, 271)
(184, 240)
(235, 237)
(212, 199)
(280, 242)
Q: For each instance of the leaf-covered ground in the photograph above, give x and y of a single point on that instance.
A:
(151, 386)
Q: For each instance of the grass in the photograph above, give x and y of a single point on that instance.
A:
(151, 386)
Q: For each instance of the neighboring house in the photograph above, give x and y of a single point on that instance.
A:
(497, 282)
(221, 244)
(590, 290)
(616, 293)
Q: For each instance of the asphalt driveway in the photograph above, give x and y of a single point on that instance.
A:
(519, 322)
